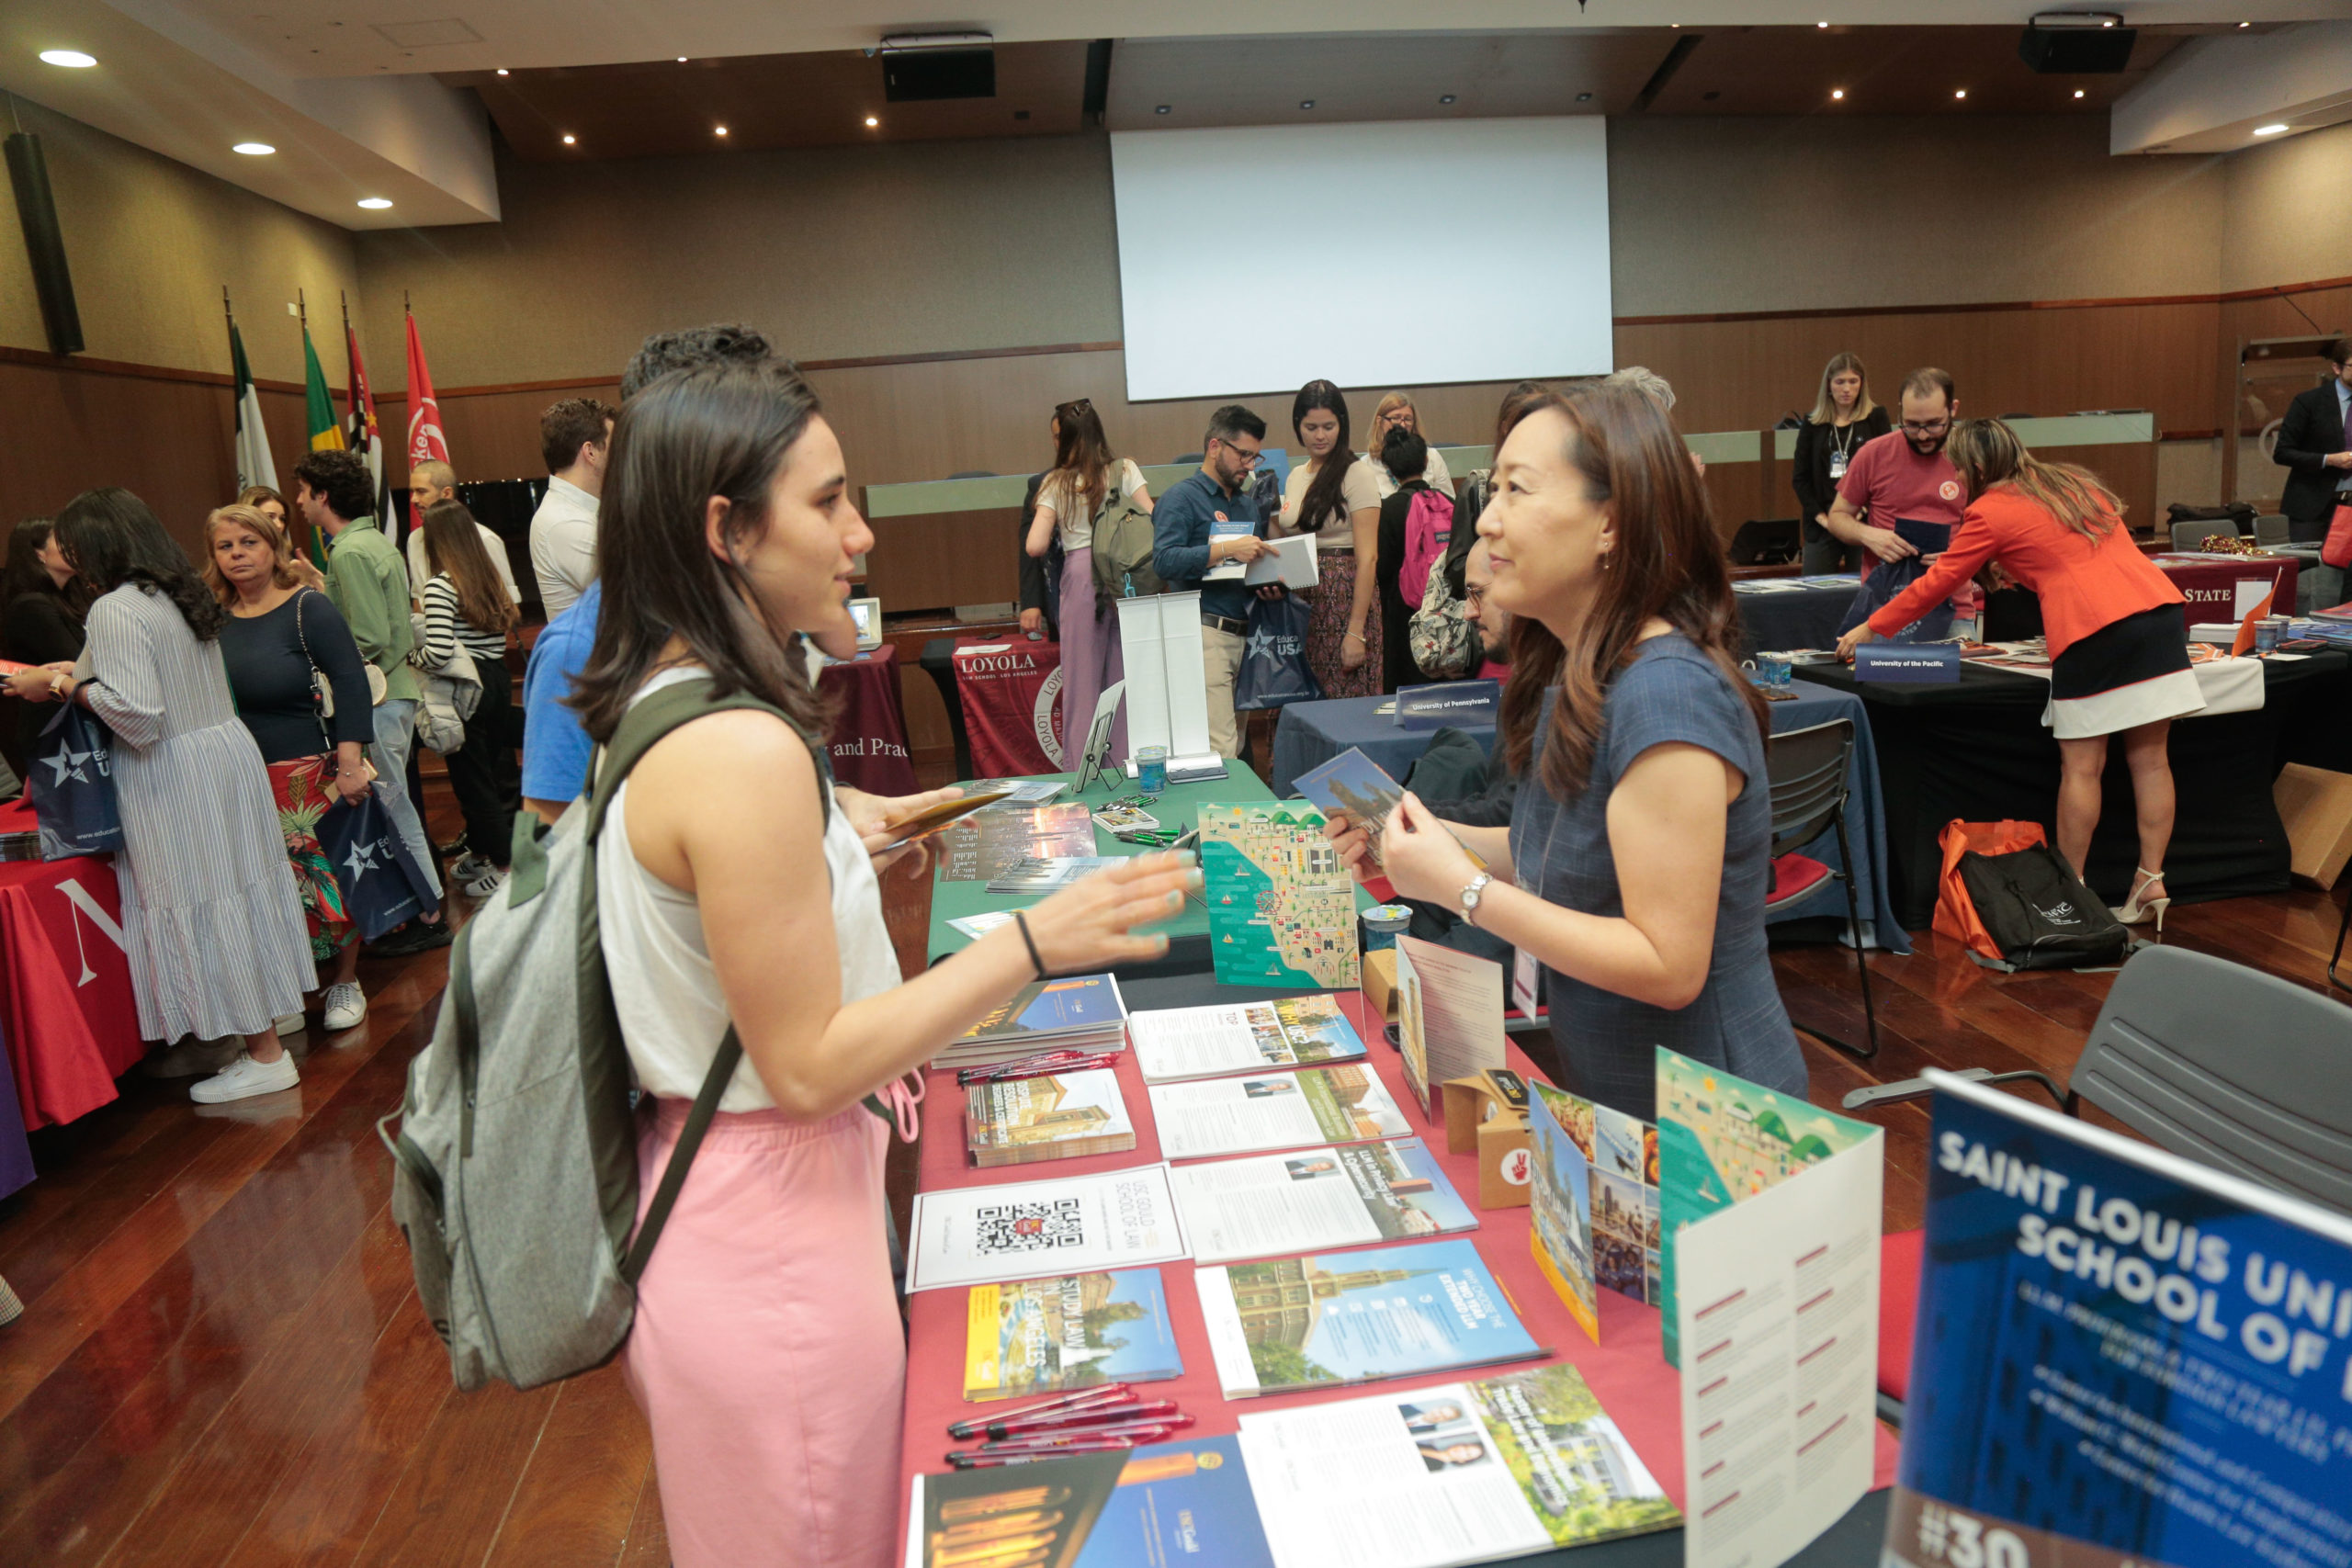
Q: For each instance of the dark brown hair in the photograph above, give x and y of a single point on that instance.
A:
(26, 574)
(723, 430)
(453, 544)
(1667, 563)
(1926, 381)
(1989, 456)
(112, 538)
(1326, 497)
(1083, 452)
(340, 479)
(568, 426)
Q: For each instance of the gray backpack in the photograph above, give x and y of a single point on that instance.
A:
(514, 1168)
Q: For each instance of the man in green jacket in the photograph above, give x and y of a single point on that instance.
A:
(369, 582)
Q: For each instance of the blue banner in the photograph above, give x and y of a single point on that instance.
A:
(1915, 663)
(1465, 705)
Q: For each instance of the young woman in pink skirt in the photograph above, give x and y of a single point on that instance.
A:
(735, 887)
(1085, 477)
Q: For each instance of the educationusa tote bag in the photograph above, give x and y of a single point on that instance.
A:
(382, 883)
(73, 786)
(1273, 665)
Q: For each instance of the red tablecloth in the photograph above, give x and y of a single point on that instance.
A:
(2211, 585)
(1011, 690)
(1624, 1369)
(66, 998)
(869, 741)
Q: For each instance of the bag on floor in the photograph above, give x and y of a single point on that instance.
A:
(73, 785)
(514, 1168)
(2037, 911)
(1274, 668)
(1956, 912)
(382, 885)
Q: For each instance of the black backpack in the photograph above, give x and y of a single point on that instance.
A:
(2039, 912)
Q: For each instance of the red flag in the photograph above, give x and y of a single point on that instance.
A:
(425, 442)
(364, 438)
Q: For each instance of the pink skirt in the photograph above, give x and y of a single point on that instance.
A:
(767, 1353)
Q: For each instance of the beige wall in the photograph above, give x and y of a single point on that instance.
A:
(150, 243)
(2287, 213)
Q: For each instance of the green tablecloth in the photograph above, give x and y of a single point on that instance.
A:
(1188, 950)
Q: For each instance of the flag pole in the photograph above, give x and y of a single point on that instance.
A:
(225, 309)
(302, 310)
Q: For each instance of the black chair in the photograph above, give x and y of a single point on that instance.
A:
(974, 474)
(1808, 770)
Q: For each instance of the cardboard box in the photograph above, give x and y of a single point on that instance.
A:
(1380, 985)
(1487, 1112)
(2316, 807)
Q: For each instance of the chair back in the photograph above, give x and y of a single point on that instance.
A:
(975, 474)
(1808, 773)
(2271, 528)
(2192, 535)
(2228, 1066)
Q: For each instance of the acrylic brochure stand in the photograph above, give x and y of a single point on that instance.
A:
(1168, 697)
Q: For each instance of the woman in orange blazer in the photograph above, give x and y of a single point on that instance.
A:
(2118, 640)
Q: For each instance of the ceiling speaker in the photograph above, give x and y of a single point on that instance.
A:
(2077, 51)
(927, 76)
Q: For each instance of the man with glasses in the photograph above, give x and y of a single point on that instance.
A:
(1204, 521)
(1901, 475)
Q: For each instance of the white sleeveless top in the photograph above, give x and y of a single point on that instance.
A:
(672, 1013)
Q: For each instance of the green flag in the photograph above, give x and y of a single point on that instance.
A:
(326, 431)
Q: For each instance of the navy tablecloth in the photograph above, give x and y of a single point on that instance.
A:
(1309, 734)
(1794, 616)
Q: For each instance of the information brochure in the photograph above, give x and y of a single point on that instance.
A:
(1281, 908)
(1059, 1116)
(1778, 1304)
(971, 1235)
(2120, 1357)
(1174, 1043)
(1335, 1197)
(1036, 1514)
(1354, 784)
(1721, 1141)
(1175, 1503)
(1342, 1317)
(1037, 878)
(1559, 1201)
(1449, 1015)
(1079, 1012)
(987, 843)
(1273, 1110)
(1040, 1337)
(1459, 1473)
(1594, 1188)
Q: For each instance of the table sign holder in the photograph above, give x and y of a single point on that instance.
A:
(1908, 663)
(1455, 702)
(1095, 761)
(1167, 683)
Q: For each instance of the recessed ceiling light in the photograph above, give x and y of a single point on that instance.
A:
(2242, 26)
(871, 122)
(1161, 109)
(569, 139)
(72, 59)
(1306, 102)
(501, 71)
(374, 203)
(1584, 97)
(253, 149)
(2078, 92)
(1839, 93)
(2270, 129)
(719, 130)
(1821, 25)
(1446, 97)
(1960, 93)
(681, 60)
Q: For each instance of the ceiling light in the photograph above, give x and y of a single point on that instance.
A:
(2242, 26)
(1824, 26)
(1446, 97)
(2270, 129)
(71, 58)
(501, 71)
(1584, 97)
(2078, 92)
(569, 139)
(871, 122)
(253, 149)
(1161, 109)
(681, 60)
(374, 203)
(1960, 93)
(719, 130)
(1838, 93)
(1306, 102)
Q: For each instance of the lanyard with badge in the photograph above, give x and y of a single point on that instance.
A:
(1842, 442)
(1522, 968)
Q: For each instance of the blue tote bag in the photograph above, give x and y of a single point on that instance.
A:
(73, 786)
(1274, 664)
(382, 883)
(1889, 579)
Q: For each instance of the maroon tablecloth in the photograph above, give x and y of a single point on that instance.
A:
(66, 1008)
(870, 741)
(1011, 693)
(2211, 585)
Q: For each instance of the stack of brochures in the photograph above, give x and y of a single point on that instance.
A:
(1173, 1044)
(1059, 1116)
(1017, 792)
(1048, 875)
(1077, 1012)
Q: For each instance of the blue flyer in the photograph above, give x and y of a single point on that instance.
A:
(2120, 1357)
(1179, 1502)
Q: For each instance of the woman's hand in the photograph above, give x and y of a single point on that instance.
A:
(352, 786)
(1033, 622)
(1423, 859)
(306, 575)
(1353, 651)
(875, 818)
(1854, 639)
(37, 684)
(1354, 841)
(1092, 926)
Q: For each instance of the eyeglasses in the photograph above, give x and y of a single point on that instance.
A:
(1475, 596)
(1930, 427)
(1248, 459)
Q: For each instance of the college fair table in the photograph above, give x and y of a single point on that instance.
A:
(1309, 734)
(67, 1015)
(869, 738)
(1780, 614)
(1624, 1369)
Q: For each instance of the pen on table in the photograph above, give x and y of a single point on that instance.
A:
(1104, 1393)
(1084, 1415)
(975, 1459)
(1037, 1066)
(1063, 1436)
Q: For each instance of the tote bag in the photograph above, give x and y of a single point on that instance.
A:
(382, 883)
(1888, 578)
(1273, 666)
(73, 786)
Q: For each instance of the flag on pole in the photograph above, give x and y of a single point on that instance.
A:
(364, 438)
(254, 464)
(326, 435)
(425, 440)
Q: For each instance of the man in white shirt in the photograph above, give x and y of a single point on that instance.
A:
(574, 436)
(434, 480)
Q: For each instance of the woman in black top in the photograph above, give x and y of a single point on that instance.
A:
(1405, 457)
(40, 623)
(278, 633)
(1843, 418)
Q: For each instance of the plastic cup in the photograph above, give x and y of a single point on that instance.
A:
(1383, 924)
(2268, 632)
(1151, 769)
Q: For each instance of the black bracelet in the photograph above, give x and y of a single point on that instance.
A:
(1029, 943)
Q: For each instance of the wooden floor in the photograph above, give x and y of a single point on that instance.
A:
(222, 1361)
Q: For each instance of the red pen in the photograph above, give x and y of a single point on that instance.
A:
(975, 1459)
(1085, 1416)
(1105, 1394)
(1037, 1066)
(1141, 1431)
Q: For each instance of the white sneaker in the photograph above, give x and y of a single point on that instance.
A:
(483, 884)
(346, 1004)
(245, 1077)
(292, 1024)
(468, 866)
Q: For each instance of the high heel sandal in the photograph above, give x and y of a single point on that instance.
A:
(2139, 907)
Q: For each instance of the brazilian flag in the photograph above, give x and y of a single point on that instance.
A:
(326, 431)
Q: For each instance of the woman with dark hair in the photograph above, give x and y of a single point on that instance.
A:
(1844, 418)
(279, 636)
(766, 1351)
(40, 623)
(1335, 498)
(466, 607)
(1635, 865)
(2119, 647)
(1405, 458)
(1084, 478)
(210, 919)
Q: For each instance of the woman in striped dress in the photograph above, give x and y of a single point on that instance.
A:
(466, 606)
(210, 919)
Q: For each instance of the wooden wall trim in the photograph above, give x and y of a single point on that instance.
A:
(2115, 302)
(872, 360)
(90, 366)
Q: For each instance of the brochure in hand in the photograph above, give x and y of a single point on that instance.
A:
(1273, 1110)
(1281, 909)
(1354, 784)
(1342, 1317)
(1062, 1116)
(1445, 1476)
(1079, 1012)
(1316, 1198)
(987, 843)
(1038, 878)
(1175, 1043)
(1033, 1338)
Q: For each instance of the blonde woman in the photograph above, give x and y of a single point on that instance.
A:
(1844, 417)
(1395, 412)
(272, 505)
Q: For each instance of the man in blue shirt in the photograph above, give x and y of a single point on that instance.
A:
(555, 749)
(1206, 520)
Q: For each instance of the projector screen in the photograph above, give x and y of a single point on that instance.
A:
(1404, 253)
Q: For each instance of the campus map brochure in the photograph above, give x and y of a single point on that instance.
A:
(1199, 1042)
(1594, 1188)
(970, 1236)
(1296, 1203)
(2120, 1356)
(1460, 1473)
(1273, 1110)
(987, 844)
(1777, 1299)
(1721, 1141)
(1060, 1116)
(1448, 1014)
(1281, 908)
(1030, 1514)
(1177, 1503)
(1039, 1336)
(1341, 1317)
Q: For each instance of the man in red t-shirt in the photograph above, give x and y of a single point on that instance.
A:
(1904, 474)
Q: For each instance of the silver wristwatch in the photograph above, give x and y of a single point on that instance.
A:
(1470, 893)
